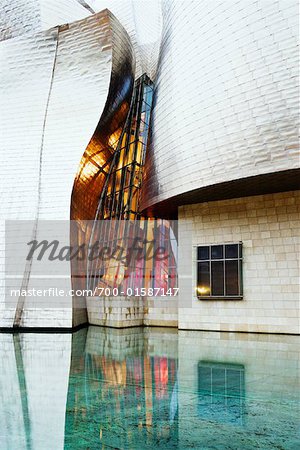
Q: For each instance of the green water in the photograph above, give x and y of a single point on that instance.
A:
(149, 388)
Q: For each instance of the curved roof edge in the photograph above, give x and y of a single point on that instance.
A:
(286, 180)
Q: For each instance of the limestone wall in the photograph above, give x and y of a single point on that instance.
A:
(268, 226)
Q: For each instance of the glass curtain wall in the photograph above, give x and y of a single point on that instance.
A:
(119, 223)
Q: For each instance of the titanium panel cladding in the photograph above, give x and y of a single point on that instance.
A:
(226, 95)
(30, 16)
(56, 86)
(142, 19)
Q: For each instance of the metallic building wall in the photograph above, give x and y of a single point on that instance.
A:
(97, 159)
(55, 12)
(226, 95)
(30, 16)
(25, 79)
(142, 20)
(18, 17)
(55, 86)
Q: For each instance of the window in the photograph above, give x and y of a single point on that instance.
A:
(219, 271)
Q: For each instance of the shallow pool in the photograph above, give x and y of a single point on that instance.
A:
(149, 388)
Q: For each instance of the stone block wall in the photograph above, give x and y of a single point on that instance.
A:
(121, 312)
(269, 363)
(268, 226)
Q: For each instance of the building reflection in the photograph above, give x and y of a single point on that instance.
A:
(122, 392)
(101, 388)
(33, 390)
(221, 392)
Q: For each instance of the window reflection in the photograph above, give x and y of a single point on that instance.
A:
(221, 392)
(132, 397)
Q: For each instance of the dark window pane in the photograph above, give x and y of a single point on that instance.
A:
(218, 381)
(203, 252)
(231, 251)
(204, 378)
(216, 251)
(233, 382)
(217, 277)
(240, 250)
(231, 278)
(203, 285)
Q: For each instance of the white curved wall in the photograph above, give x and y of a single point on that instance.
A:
(25, 79)
(55, 87)
(78, 96)
(28, 16)
(142, 19)
(226, 95)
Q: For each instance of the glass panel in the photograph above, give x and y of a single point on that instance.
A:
(130, 153)
(124, 140)
(231, 251)
(132, 135)
(125, 193)
(148, 93)
(128, 176)
(203, 282)
(143, 125)
(137, 176)
(121, 158)
(118, 179)
(217, 277)
(108, 202)
(216, 251)
(232, 278)
(134, 199)
(145, 107)
(203, 252)
(139, 152)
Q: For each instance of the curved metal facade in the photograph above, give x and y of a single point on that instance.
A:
(30, 16)
(142, 19)
(118, 220)
(56, 85)
(225, 105)
(95, 162)
(226, 96)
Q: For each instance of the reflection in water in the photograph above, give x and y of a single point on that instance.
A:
(221, 389)
(122, 395)
(145, 388)
(33, 390)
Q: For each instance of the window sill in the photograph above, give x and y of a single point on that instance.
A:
(225, 299)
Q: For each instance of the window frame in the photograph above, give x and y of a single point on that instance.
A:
(239, 259)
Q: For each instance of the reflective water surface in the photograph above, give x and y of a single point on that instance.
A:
(148, 388)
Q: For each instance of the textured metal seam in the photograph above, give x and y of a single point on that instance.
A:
(27, 270)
